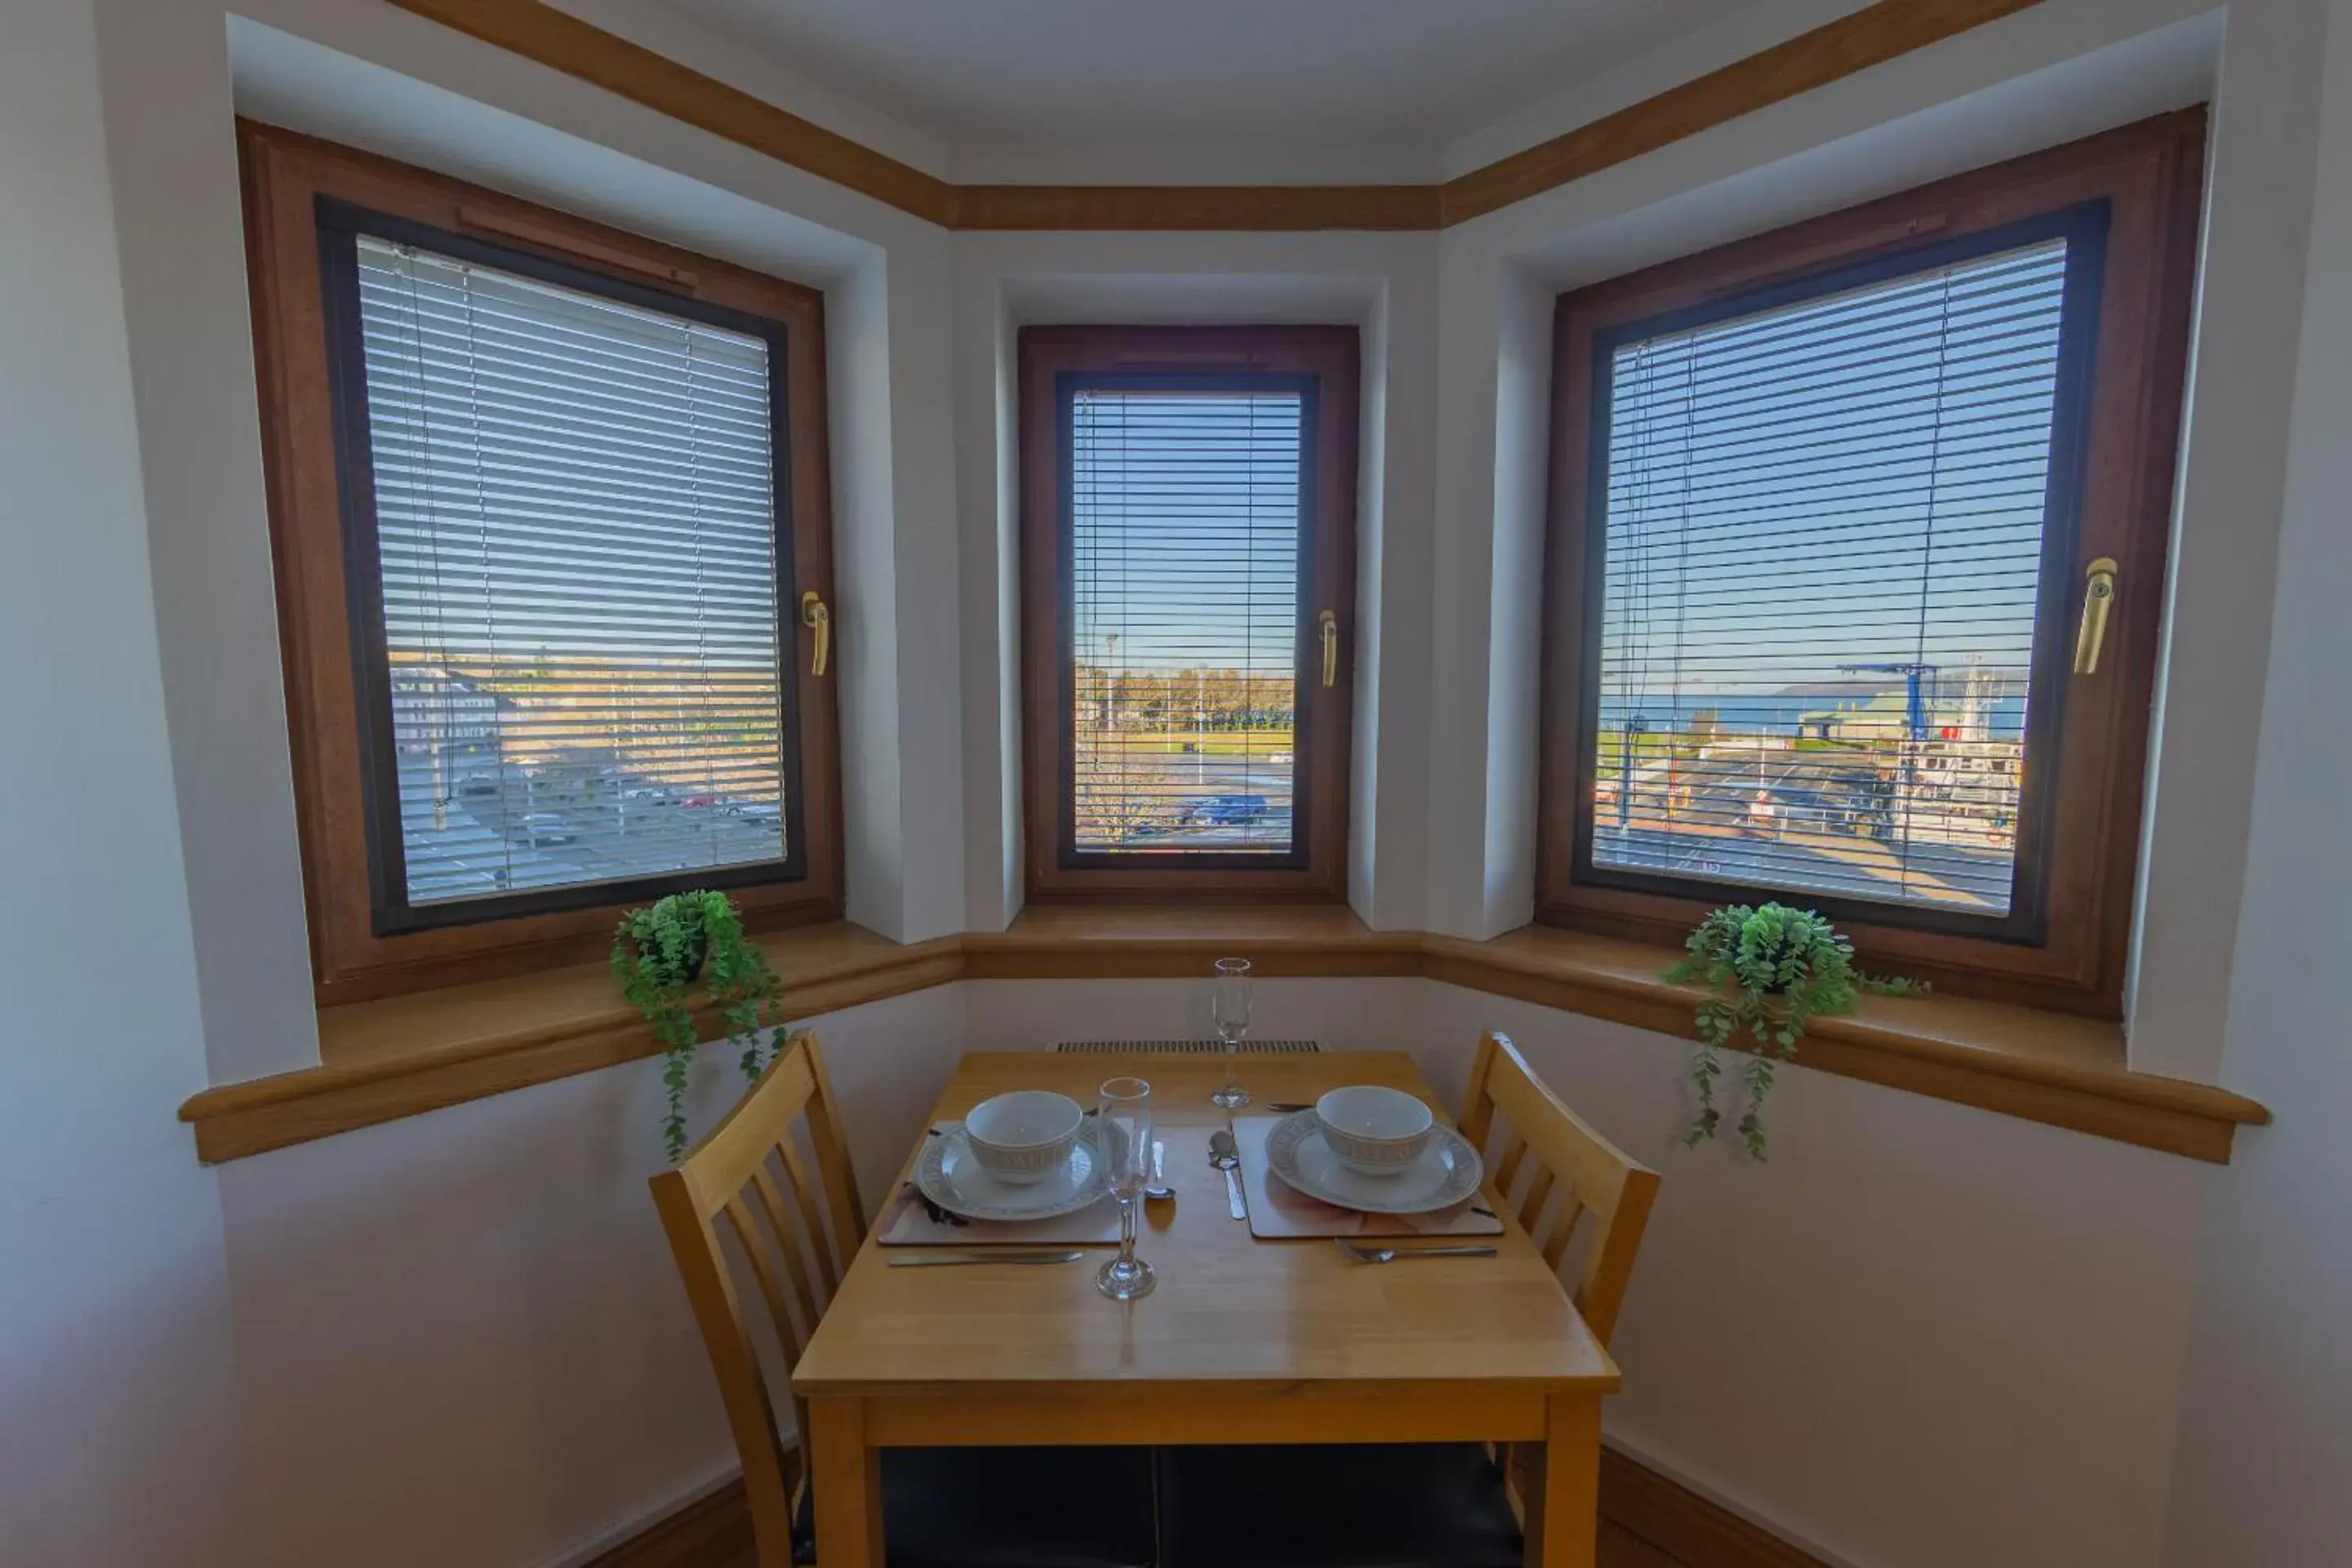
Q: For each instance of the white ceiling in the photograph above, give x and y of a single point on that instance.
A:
(1077, 70)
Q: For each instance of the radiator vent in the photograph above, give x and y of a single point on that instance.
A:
(1187, 1047)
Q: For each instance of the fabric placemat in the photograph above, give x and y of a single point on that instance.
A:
(1278, 1211)
(910, 1219)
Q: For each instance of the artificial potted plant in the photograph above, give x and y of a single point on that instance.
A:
(658, 954)
(1772, 969)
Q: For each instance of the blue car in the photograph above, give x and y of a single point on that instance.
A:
(1228, 810)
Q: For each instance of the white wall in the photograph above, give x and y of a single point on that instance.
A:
(1923, 1336)
(2267, 1443)
(467, 1343)
(117, 1428)
(1919, 1337)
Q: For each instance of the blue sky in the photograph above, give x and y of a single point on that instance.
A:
(1186, 528)
(1857, 479)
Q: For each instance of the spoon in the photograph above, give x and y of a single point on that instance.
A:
(1390, 1254)
(1226, 1155)
(1157, 1190)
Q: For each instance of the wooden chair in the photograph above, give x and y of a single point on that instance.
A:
(1557, 1170)
(769, 1195)
(1429, 1505)
(1552, 1164)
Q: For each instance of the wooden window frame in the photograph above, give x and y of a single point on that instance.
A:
(1052, 358)
(2066, 948)
(297, 189)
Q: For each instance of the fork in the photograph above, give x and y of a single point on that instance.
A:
(1390, 1254)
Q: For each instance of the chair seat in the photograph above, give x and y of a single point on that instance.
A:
(1336, 1505)
(1009, 1508)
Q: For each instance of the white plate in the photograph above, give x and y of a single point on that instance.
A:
(949, 1174)
(1447, 1173)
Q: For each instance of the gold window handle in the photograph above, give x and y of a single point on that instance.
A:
(819, 620)
(2098, 599)
(1330, 624)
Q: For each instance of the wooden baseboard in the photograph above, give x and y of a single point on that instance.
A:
(1694, 1530)
(712, 1532)
(715, 1531)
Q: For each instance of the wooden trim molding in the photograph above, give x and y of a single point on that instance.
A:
(715, 1530)
(563, 42)
(1694, 1530)
(1225, 208)
(1871, 36)
(401, 1056)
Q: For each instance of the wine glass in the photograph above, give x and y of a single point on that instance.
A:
(1123, 1141)
(1233, 1006)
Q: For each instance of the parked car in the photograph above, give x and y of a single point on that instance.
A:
(1226, 810)
(542, 828)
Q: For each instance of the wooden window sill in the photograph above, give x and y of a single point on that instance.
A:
(401, 1056)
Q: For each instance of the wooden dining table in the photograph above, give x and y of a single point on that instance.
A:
(1242, 1341)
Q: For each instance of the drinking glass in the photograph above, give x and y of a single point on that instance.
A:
(1232, 1007)
(1126, 1112)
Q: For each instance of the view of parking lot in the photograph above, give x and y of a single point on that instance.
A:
(526, 779)
(1185, 524)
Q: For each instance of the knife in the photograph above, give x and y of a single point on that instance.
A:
(994, 1254)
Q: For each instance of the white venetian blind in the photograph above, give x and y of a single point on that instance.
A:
(1185, 537)
(574, 505)
(1823, 534)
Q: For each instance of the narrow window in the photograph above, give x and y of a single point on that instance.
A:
(1191, 579)
(1853, 568)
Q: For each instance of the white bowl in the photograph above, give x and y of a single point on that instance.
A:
(1023, 1136)
(1375, 1131)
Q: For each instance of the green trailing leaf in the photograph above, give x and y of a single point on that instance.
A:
(659, 953)
(1771, 969)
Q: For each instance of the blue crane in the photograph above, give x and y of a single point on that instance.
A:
(1915, 709)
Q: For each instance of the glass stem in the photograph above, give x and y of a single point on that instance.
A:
(1126, 1232)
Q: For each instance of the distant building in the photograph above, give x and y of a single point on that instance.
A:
(437, 713)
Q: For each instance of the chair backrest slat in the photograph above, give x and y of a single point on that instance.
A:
(1597, 1177)
(1506, 1169)
(1538, 1193)
(780, 1221)
(812, 1226)
(833, 1158)
(828, 1272)
(1555, 1250)
(755, 1248)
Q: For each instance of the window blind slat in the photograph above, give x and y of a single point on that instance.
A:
(575, 503)
(1821, 550)
(1185, 537)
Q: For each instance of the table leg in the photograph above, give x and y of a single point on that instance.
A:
(1564, 1514)
(847, 1476)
